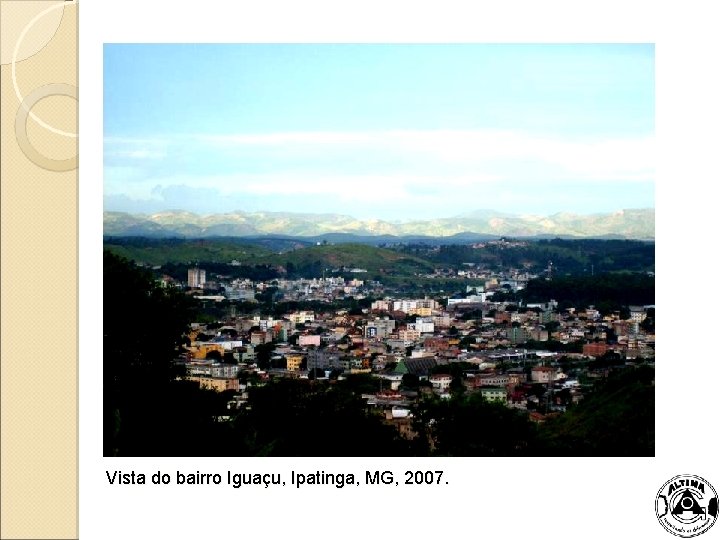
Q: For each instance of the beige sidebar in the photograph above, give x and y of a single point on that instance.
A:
(39, 254)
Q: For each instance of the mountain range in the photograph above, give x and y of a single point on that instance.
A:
(636, 224)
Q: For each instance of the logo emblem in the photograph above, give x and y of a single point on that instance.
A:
(686, 505)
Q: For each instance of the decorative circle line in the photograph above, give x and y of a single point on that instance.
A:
(14, 76)
(40, 93)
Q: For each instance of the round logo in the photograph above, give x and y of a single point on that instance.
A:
(686, 505)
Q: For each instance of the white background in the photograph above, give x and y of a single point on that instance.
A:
(553, 497)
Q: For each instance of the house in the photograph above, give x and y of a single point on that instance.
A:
(492, 379)
(637, 314)
(595, 349)
(219, 384)
(417, 366)
(379, 328)
(293, 362)
(542, 374)
(516, 377)
(441, 382)
(306, 340)
(301, 317)
(203, 349)
(494, 394)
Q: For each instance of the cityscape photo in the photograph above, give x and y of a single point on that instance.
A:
(379, 250)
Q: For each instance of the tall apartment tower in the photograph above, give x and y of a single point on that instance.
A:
(196, 278)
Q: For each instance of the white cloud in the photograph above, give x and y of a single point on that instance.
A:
(136, 149)
(371, 168)
(275, 139)
(627, 159)
(346, 187)
(136, 154)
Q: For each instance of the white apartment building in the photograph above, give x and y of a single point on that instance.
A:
(196, 278)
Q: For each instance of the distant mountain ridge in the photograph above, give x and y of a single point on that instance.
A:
(637, 224)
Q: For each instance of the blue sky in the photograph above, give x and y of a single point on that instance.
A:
(394, 132)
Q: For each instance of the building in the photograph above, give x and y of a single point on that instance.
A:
(226, 371)
(379, 328)
(417, 366)
(542, 374)
(306, 340)
(258, 338)
(323, 359)
(516, 377)
(293, 362)
(595, 349)
(408, 335)
(248, 354)
(217, 384)
(422, 307)
(470, 299)
(196, 278)
(441, 382)
(518, 334)
(492, 380)
(226, 343)
(245, 295)
(301, 317)
(637, 314)
(494, 393)
(204, 348)
(422, 325)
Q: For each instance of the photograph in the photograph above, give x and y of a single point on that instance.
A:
(378, 250)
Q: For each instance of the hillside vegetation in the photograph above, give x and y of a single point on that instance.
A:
(268, 258)
(375, 260)
(171, 250)
(304, 261)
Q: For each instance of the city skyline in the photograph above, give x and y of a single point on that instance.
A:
(354, 129)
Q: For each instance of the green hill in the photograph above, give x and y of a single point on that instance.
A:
(180, 251)
(305, 261)
(617, 419)
(332, 257)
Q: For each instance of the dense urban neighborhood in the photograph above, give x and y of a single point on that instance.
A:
(485, 366)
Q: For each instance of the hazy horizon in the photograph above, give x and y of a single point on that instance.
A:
(387, 132)
(329, 213)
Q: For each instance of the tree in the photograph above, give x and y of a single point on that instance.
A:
(552, 326)
(616, 419)
(648, 323)
(316, 373)
(262, 354)
(457, 387)
(301, 418)
(410, 381)
(451, 427)
(160, 319)
(139, 374)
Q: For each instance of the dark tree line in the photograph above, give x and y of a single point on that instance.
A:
(607, 292)
(146, 411)
(577, 256)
